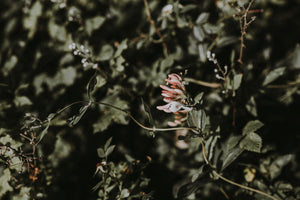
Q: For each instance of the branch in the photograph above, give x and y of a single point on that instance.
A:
(157, 31)
(203, 83)
(243, 25)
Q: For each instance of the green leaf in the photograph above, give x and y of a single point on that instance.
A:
(106, 53)
(122, 46)
(62, 150)
(107, 143)
(4, 182)
(202, 48)
(197, 118)
(237, 80)
(93, 24)
(231, 156)
(196, 175)
(233, 141)
(198, 33)
(252, 126)
(211, 28)
(24, 194)
(251, 106)
(273, 75)
(277, 165)
(101, 153)
(251, 142)
(125, 193)
(72, 121)
(110, 114)
(226, 40)
(148, 111)
(109, 150)
(167, 62)
(210, 145)
(20, 101)
(57, 32)
(44, 132)
(30, 21)
(9, 64)
(202, 18)
(91, 85)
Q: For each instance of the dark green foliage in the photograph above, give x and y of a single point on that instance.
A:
(79, 86)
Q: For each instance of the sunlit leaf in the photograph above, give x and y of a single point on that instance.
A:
(252, 126)
(202, 18)
(20, 101)
(251, 142)
(273, 75)
(199, 33)
(101, 153)
(93, 24)
(109, 150)
(4, 182)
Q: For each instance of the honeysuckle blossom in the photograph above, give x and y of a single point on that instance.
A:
(174, 94)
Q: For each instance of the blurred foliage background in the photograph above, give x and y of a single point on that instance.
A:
(57, 52)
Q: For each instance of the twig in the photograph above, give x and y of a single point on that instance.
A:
(224, 193)
(243, 25)
(141, 125)
(243, 186)
(164, 45)
(239, 14)
(203, 83)
(290, 84)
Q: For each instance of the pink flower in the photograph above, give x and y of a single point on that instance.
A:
(174, 94)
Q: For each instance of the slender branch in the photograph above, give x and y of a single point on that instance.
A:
(224, 193)
(243, 25)
(239, 14)
(290, 84)
(157, 31)
(140, 124)
(203, 83)
(243, 186)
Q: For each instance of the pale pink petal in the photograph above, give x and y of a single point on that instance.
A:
(175, 76)
(172, 124)
(181, 144)
(165, 87)
(167, 99)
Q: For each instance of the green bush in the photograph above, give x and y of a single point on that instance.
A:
(82, 86)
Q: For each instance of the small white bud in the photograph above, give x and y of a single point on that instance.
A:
(95, 66)
(82, 47)
(218, 76)
(226, 68)
(76, 52)
(215, 61)
(83, 60)
(216, 70)
(85, 64)
(213, 55)
(62, 5)
(208, 54)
